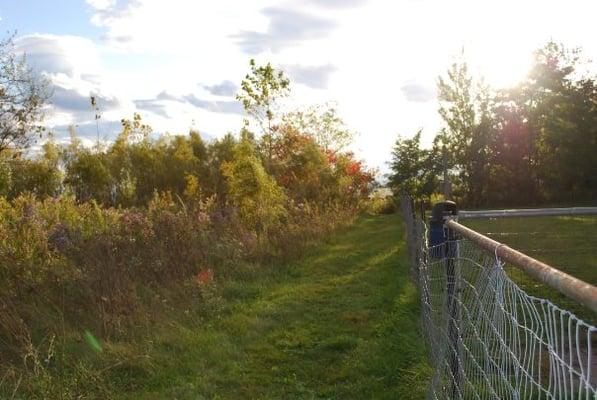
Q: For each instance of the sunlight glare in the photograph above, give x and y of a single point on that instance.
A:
(504, 71)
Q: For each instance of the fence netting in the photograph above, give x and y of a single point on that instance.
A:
(488, 338)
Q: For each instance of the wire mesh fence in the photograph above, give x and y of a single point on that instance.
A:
(488, 338)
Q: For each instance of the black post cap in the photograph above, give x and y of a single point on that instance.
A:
(443, 208)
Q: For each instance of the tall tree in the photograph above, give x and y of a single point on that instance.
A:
(513, 174)
(252, 190)
(564, 108)
(414, 169)
(465, 107)
(260, 93)
(555, 109)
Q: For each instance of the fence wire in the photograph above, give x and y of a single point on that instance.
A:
(491, 340)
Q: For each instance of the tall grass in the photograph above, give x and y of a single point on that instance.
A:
(74, 272)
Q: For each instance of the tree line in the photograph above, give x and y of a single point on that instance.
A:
(276, 158)
(531, 144)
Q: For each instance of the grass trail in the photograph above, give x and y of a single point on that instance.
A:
(343, 323)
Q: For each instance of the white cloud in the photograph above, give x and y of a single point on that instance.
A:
(313, 76)
(69, 55)
(224, 88)
(101, 4)
(418, 92)
(286, 27)
(179, 61)
(159, 105)
(337, 3)
(74, 67)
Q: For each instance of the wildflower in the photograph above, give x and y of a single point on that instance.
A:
(205, 277)
(60, 237)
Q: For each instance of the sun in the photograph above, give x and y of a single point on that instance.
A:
(501, 67)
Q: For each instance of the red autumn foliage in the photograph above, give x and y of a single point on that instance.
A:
(205, 277)
(331, 156)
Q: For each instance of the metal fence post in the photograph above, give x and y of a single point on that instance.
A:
(441, 213)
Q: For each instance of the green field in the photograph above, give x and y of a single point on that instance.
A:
(566, 243)
(342, 323)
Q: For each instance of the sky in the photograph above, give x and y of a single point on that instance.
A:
(179, 63)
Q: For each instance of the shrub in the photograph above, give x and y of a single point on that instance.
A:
(381, 205)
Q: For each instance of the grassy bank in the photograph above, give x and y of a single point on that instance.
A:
(342, 323)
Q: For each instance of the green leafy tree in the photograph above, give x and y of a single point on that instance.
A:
(259, 199)
(513, 174)
(40, 176)
(260, 93)
(546, 132)
(414, 169)
(323, 124)
(219, 153)
(88, 176)
(562, 106)
(465, 107)
(124, 182)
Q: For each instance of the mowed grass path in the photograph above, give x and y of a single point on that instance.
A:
(343, 323)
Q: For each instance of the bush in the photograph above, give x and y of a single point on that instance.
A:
(381, 205)
(82, 266)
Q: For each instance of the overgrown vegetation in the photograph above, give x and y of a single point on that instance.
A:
(529, 144)
(342, 322)
(97, 244)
